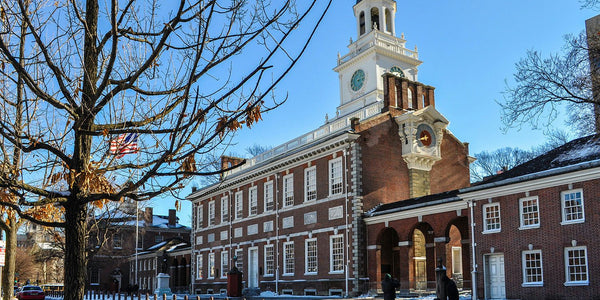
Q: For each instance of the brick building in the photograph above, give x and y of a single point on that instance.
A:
(109, 269)
(293, 216)
(537, 226)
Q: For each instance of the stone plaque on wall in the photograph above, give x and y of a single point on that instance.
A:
(336, 212)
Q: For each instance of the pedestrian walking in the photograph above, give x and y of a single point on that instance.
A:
(389, 286)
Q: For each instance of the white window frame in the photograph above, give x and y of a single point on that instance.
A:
(486, 220)
(117, 241)
(269, 260)
(253, 201)
(224, 263)
(569, 282)
(288, 190)
(310, 184)
(239, 264)
(268, 196)
(199, 263)
(311, 253)
(334, 178)
(224, 209)
(239, 205)
(199, 216)
(211, 265)
(288, 259)
(336, 255)
(532, 211)
(524, 268)
(211, 213)
(563, 208)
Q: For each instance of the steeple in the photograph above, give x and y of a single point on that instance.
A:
(376, 51)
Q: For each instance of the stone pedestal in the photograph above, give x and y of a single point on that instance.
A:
(163, 284)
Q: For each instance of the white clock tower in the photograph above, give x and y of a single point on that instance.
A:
(376, 51)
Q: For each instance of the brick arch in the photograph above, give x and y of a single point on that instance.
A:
(458, 255)
(387, 241)
(421, 259)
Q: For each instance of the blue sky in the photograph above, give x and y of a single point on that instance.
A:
(468, 48)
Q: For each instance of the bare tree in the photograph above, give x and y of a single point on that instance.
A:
(546, 86)
(494, 162)
(170, 80)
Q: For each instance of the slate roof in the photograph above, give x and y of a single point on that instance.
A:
(577, 151)
(428, 200)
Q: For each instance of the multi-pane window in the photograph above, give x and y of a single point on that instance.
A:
(288, 190)
(94, 274)
(288, 258)
(491, 217)
(224, 210)
(199, 216)
(211, 265)
(530, 216)
(576, 268)
(211, 213)
(253, 201)
(199, 262)
(269, 203)
(239, 263)
(224, 263)
(117, 241)
(532, 267)
(336, 246)
(239, 205)
(310, 256)
(269, 260)
(335, 176)
(572, 206)
(310, 184)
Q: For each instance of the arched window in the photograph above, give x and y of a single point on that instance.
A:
(388, 21)
(375, 18)
(361, 23)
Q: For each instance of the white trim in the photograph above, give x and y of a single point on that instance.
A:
(312, 183)
(485, 219)
(288, 188)
(199, 216)
(521, 220)
(223, 261)
(224, 209)
(562, 207)
(523, 184)
(331, 254)
(331, 179)
(268, 186)
(212, 218)
(306, 255)
(285, 258)
(265, 256)
(587, 269)
(211, 265)
(525, 283)
(253, 201)
(239, 205)
(410, 213)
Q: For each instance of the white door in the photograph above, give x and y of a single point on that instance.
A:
(253, 267)
(495, 286)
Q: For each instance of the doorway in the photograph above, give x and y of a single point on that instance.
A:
(495, 287)
(253, 267)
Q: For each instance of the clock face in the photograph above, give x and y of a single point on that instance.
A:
(357, 80)
(425, 136)
(397, 71)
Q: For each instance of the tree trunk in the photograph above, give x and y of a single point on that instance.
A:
(75, 258)
(8, 271)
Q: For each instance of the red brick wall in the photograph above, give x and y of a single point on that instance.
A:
(551, 237)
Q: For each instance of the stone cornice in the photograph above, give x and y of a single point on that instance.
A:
(318, 148)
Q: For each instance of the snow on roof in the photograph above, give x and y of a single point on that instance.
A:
(158, 245)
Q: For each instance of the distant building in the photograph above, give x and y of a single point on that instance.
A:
(42, 243)
(112, 267)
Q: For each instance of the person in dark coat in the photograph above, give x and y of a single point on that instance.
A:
(389, 285)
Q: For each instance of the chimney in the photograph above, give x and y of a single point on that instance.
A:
(148, 216)
(172, 217)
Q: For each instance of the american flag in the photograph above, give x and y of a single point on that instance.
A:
(124, 144)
